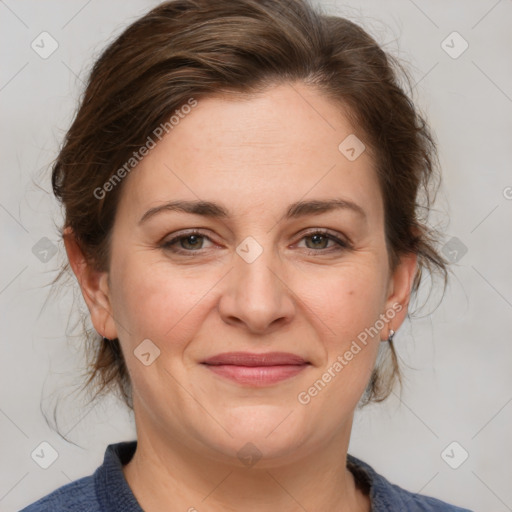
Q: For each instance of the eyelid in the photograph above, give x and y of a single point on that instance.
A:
(184, 234)
(342, 242)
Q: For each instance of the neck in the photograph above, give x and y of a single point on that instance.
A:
(165, 473)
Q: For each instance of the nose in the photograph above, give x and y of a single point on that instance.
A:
(257, 296)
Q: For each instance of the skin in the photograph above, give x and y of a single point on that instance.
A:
(254, 156)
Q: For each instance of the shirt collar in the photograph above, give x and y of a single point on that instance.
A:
(115, 495)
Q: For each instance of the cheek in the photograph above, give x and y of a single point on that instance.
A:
(347, 301)
(152, 300)
(345, 313)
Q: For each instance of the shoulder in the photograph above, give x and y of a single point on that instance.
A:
(412, 502)
(76, 496)
(105, 490)
(388, 497)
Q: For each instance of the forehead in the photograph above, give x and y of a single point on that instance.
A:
(263, 150)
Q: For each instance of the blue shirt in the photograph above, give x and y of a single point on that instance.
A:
(108, 491)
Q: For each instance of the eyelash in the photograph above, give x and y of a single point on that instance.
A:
(342, 245)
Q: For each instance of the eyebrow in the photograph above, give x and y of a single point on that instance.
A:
(216, 211)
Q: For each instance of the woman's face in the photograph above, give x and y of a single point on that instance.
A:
(256, 277)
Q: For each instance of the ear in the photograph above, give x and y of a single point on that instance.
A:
(94, 287)
(399, 290)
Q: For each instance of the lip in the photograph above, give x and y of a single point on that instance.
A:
(254, 359)
(256, 369)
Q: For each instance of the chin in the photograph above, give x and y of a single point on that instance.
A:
(264, 435)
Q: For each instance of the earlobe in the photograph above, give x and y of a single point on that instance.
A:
(400, 287)
(93, 285)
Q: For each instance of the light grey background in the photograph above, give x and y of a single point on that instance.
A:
(458, 375)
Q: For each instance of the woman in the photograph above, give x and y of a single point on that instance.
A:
(241, 190)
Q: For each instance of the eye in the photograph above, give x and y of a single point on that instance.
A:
(316, 243)
(192, 241)
(320, 240)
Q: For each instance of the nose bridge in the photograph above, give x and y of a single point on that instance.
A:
(256, 295)
(256, 266)
(256, 272)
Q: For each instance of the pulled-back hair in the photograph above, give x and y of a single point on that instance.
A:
(186, 49)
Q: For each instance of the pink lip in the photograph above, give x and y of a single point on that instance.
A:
(256, 369)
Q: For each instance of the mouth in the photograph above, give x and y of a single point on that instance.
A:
(256, 369)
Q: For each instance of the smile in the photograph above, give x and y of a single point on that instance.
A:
(256, 369)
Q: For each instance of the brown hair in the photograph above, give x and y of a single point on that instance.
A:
(195, 48)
